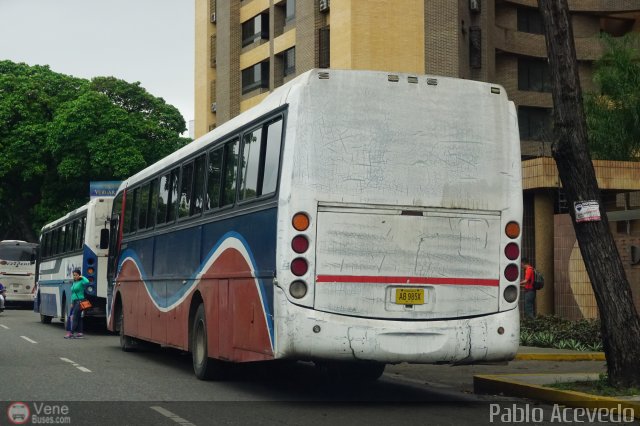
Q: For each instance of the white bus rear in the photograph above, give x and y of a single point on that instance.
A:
(17, 270)
(410, 184)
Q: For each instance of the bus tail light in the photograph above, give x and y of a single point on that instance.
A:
(510, 293)
(512, 251)
(299, 267)
(512, 230)
(90, 271)
(300, 221)
(511, 272)
(300, 244)
(298, 289)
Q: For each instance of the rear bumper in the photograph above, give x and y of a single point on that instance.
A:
(9, 297)
(464, 341)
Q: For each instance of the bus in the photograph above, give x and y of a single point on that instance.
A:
(78, 240)
(18, 270)
(352, 218)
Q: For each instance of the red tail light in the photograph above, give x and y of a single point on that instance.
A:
(512, 230)
(299, 267)
(300, 244)
(512, 272)
(512, 251)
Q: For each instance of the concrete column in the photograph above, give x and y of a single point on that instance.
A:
(543, 224)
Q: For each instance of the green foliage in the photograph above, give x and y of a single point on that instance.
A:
(58, 133)
(613, 114)
(556, 332)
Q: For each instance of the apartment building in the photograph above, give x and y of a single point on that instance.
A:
(245, 48)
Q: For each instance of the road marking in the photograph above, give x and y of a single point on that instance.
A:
(28, 340)
(76, 365)
(172, 416)
(4, 326)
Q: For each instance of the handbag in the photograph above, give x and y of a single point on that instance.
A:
(85, 304)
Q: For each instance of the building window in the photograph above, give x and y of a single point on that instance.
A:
(533, 75)
(530, 20)
(534, 123)
(290, 10)
(289, 57)
(255, 77)
(324, 48)
(255, 28)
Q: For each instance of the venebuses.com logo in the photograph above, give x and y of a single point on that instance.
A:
(18, 413)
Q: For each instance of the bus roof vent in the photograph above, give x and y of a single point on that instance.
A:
(394, 78)
(323, 75)
(432, 81)
(412, 79)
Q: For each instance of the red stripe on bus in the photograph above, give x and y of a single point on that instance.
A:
(406, 280)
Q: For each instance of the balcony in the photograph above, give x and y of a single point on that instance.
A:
(609, 6)
(508, 40)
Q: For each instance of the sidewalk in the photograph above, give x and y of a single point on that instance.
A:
(525, 377)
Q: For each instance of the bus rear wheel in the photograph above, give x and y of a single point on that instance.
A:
(205, 368)
(127, 344)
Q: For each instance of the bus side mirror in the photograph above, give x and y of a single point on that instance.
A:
(104, 238)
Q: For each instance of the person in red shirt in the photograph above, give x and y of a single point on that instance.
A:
(527, 287)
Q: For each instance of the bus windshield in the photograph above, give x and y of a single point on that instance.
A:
(17, 253)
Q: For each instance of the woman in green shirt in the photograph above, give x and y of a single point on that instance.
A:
(74, 322)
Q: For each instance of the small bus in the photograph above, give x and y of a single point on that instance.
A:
(78, 240)
(18, 270)
(353, 219)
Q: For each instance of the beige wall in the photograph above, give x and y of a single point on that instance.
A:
(372, 35)
(204, 74)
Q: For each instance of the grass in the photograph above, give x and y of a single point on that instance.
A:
(600, 387)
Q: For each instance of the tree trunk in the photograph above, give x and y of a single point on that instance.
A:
(620, 323)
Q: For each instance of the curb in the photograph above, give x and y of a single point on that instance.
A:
(585, 356)
(508, 384)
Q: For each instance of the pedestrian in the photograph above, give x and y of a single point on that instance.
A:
(74, 322)
(527, 288)
(3, 291)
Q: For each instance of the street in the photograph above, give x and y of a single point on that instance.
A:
(94, 382)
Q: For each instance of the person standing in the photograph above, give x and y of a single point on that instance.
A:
(3, 291)
(74, 322)
(529, 291)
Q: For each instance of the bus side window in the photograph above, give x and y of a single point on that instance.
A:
(173, 195)
(197, 201)
(250, 164)
(163, 199)
(143, 208)
(272, 158)
(153, 203)
(214, 173)
(186, 185)
(128, 213)
(231, 153)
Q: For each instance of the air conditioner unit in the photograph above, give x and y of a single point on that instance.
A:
(213, 17)
(474, 6)
(214, 107)
(324, 5)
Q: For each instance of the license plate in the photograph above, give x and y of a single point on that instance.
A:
(410, 296)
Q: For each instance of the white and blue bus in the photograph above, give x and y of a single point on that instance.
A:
(79, 240)
(18, 270)
(352, 218)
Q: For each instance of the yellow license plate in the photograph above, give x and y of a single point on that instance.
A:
(410, 296)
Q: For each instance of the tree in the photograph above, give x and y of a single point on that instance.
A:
(58, 133)
(613, 114)
(619, 319)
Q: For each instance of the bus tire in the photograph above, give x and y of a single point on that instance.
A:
(127, 343)
(45, 319)
(63, 315)
(205, 368)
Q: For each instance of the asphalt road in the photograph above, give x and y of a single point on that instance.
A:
(91, 381)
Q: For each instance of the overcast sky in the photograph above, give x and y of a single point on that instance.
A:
(150, 41)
